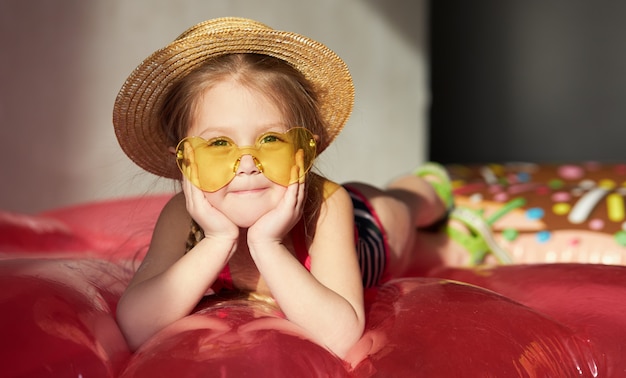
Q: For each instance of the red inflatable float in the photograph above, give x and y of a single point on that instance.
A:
(62, 273)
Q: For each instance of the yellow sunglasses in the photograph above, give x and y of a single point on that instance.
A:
(212, 164)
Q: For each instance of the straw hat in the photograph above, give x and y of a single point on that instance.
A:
(135, 111)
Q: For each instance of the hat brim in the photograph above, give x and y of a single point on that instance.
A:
(135, 117)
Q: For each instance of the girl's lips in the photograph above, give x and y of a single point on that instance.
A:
(247, 191)
(248, 185)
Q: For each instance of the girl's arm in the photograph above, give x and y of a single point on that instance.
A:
(328, 301)
(169, 283)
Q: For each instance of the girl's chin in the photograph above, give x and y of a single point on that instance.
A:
(245, 220)
(245, 223)
(246, 210)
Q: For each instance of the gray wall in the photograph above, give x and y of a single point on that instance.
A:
(63, 62)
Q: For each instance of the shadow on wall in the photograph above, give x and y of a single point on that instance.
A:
(528, 81)
(35, 123)
(409, 20)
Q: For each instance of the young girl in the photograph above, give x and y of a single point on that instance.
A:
(242, 110)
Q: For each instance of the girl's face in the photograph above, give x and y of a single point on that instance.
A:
(242, 114)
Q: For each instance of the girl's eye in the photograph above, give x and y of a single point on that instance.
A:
(270, 138)
(218, 143)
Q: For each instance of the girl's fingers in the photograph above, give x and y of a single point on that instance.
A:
(189, 152)
(193, 195)
(191, 169)
(300, 165)
(194, 174)
(302, 175)
(294, 174)
(301, 194)
(294, 197)
(295, 190)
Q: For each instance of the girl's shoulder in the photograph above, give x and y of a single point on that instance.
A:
(176, 202)
(333, 194)
(329, 188)
(324, 195)
(176, 209)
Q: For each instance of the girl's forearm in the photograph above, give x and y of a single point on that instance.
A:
(330, 318)
(151, 305)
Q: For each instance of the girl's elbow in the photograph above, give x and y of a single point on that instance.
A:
(126, 325)
(342, 344)
(132, 325)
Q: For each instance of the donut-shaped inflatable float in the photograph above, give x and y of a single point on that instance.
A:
(550, 212)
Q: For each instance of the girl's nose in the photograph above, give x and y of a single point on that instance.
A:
(248, 164)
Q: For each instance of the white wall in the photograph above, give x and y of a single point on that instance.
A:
(64, 61)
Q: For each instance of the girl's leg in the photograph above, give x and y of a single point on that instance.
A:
(426, 207)
(408, 204)
(424, 230)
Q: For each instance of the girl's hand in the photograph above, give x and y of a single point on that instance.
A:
(213, 222)
(273, 226)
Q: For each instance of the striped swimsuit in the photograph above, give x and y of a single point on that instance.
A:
(371, 240)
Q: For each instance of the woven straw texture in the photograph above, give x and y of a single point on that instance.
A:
(135, 110)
